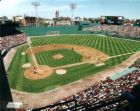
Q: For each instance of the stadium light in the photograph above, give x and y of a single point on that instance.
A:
(36, 5)
(72, 7)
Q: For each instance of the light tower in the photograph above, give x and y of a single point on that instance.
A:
(36, 5)
(72, 7)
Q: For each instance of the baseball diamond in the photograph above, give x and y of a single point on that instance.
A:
(99, 49)
(69, 55)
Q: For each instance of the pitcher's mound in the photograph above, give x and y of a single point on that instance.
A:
(61, 71)
(41, 72)
(57, 56)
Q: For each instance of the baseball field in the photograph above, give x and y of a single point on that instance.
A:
(77, 56)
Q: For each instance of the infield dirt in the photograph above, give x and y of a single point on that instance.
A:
(89, 55)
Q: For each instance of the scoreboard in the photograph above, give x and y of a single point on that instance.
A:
(137, 22)
(114, 20)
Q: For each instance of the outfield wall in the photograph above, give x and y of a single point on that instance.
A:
(42, 30)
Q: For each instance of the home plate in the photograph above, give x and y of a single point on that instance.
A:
(61, 71)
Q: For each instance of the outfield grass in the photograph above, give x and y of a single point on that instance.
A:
(69, 57)
(18, 81)
(109, 45)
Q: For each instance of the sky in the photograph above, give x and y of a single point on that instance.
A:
(85, 8)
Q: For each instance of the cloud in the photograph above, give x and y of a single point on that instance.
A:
(10, 7)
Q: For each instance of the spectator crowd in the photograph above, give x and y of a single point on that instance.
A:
(102, 92)
(12, 40)
(117, 30)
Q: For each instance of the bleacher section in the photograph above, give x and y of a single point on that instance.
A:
(129, 32)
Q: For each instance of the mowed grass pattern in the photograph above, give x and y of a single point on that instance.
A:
(16, 72)
(69, 57)
(109, 45)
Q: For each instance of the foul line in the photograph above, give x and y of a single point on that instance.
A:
(86, 62)
(122, 54)
(33, 56)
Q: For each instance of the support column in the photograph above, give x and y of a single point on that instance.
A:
(5, 92)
